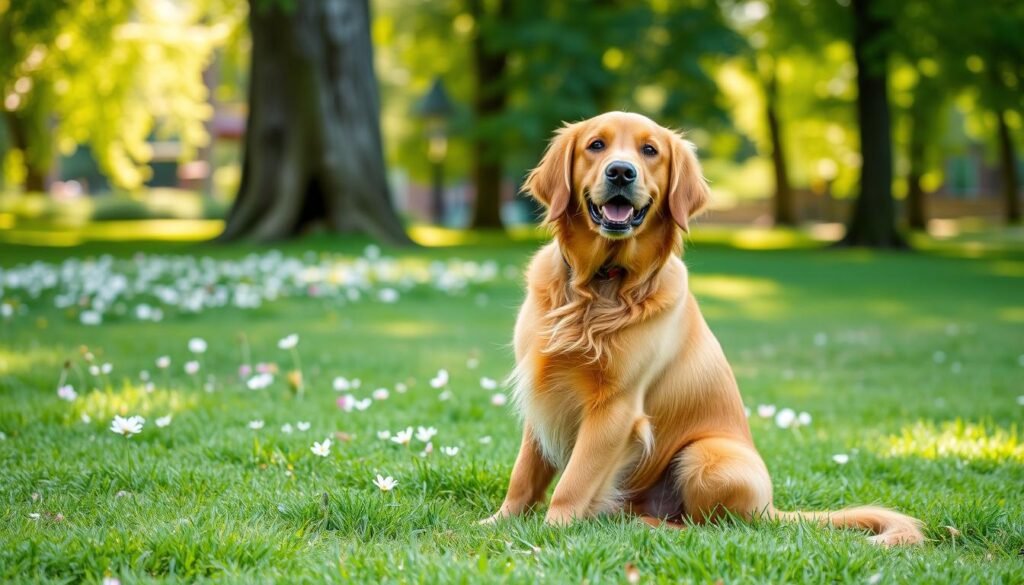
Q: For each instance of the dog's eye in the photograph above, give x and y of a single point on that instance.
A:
(596, 145)
(648, 150)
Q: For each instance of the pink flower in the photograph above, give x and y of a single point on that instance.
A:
(244, 371)
(346, 402)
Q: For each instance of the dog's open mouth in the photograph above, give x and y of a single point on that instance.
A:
(617, 215)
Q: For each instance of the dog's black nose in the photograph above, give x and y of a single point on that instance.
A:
(620, 173)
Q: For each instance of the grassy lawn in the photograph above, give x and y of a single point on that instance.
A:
(909, 364)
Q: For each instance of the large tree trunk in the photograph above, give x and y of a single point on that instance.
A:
(785, 204)
(873, 223)
(489, 101)
(19, 131)
(313, 152)
(1008, 168)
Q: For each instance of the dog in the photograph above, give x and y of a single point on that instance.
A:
(622, 386)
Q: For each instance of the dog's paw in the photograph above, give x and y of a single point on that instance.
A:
(556, 517)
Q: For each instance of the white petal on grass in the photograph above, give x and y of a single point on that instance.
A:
(363, 404)
(401, 388)
(403, 437)
(424, 434)
(1020, 400)
(785, 418)
(488, 383)
(303, 426)
(450, 451)
(440, 380)
(192, 368)
(499, 399)
(381, 394)
(197, 345)
(485, 440)
(163, 421)
(383, 435)
(841, 458)
(322, 449)
(288, 342)
(385, 484)
(804, 418)
(287, 429)
(341, 384)
(765, 410)
(256, 424)
(67, 392)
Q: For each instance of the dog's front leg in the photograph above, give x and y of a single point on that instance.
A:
(601, 450)
(531, 476)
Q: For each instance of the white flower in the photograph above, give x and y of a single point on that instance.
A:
(111, 581)
(372, 252)
(841, 458)
(403, 437)
(6, 311)
(67, 392)
(386, 484)
(34, 515)
(163, 362)
(288, 342)
(381, 394)
(499, 399)
(86, 418)
(256, 424)
(90, 318)
(163, 421)
(427, 449)
(383, 435)
(197, 345)
(488, 383)
(1020, 400)
(485, 440)
(303, 426)
(341, 384)
(401, 388)
(804, 418)
(127, 426)
(785, 418)
(765, 410)
(424, 434)
(286, 428)
(107, 368)
(322, 449)
(192, 368)
(144, 375)
(472, 363)
(387, 295)
(450, 451)
(94, 370)
(363, 404)
(346, 402)
(260, 381)
(446, 395)
(356, 383)
(440, 380)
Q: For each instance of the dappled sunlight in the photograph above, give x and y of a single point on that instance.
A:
(956, 439)
(408, 329)
(434, 237)
(1011, 314)
(131, 399)
(163, 230)
(753, 297)
(752, 238)
(1009, 268)
(26, 359)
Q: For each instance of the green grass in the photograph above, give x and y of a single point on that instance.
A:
(851, 337)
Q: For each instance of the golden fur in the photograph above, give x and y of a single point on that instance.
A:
(622, 386)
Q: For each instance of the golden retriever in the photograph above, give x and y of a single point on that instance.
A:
(621, 384)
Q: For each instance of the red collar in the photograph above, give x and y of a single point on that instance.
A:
(605, 272)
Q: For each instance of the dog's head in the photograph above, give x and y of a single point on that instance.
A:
(621, 172)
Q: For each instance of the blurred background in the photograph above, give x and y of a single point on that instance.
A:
(274, 118)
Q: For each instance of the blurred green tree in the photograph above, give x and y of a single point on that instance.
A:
(313, 149)
(107, 73)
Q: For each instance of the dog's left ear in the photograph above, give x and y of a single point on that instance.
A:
(551, 181)
(688, 190)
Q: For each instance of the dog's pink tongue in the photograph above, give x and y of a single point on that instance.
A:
(617, 213)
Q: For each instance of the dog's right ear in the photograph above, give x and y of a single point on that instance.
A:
(551, 181)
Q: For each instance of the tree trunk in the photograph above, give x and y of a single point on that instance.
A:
(19, 131)
(489, 101)
(917, 215)
(313, 150)
(785, 204)
(873, 223)
(1008, 164)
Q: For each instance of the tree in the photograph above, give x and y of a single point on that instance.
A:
(873, 223)
(313, 149)
(110, 74)
(490, 61)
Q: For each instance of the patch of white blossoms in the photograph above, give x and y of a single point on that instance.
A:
(154, 287)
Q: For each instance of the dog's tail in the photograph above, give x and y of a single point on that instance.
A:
(888, 526)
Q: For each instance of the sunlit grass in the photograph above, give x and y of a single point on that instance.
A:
(957, 439)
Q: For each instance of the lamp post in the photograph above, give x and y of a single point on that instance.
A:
(436, 110)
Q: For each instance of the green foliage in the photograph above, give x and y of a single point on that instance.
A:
(111, 74)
